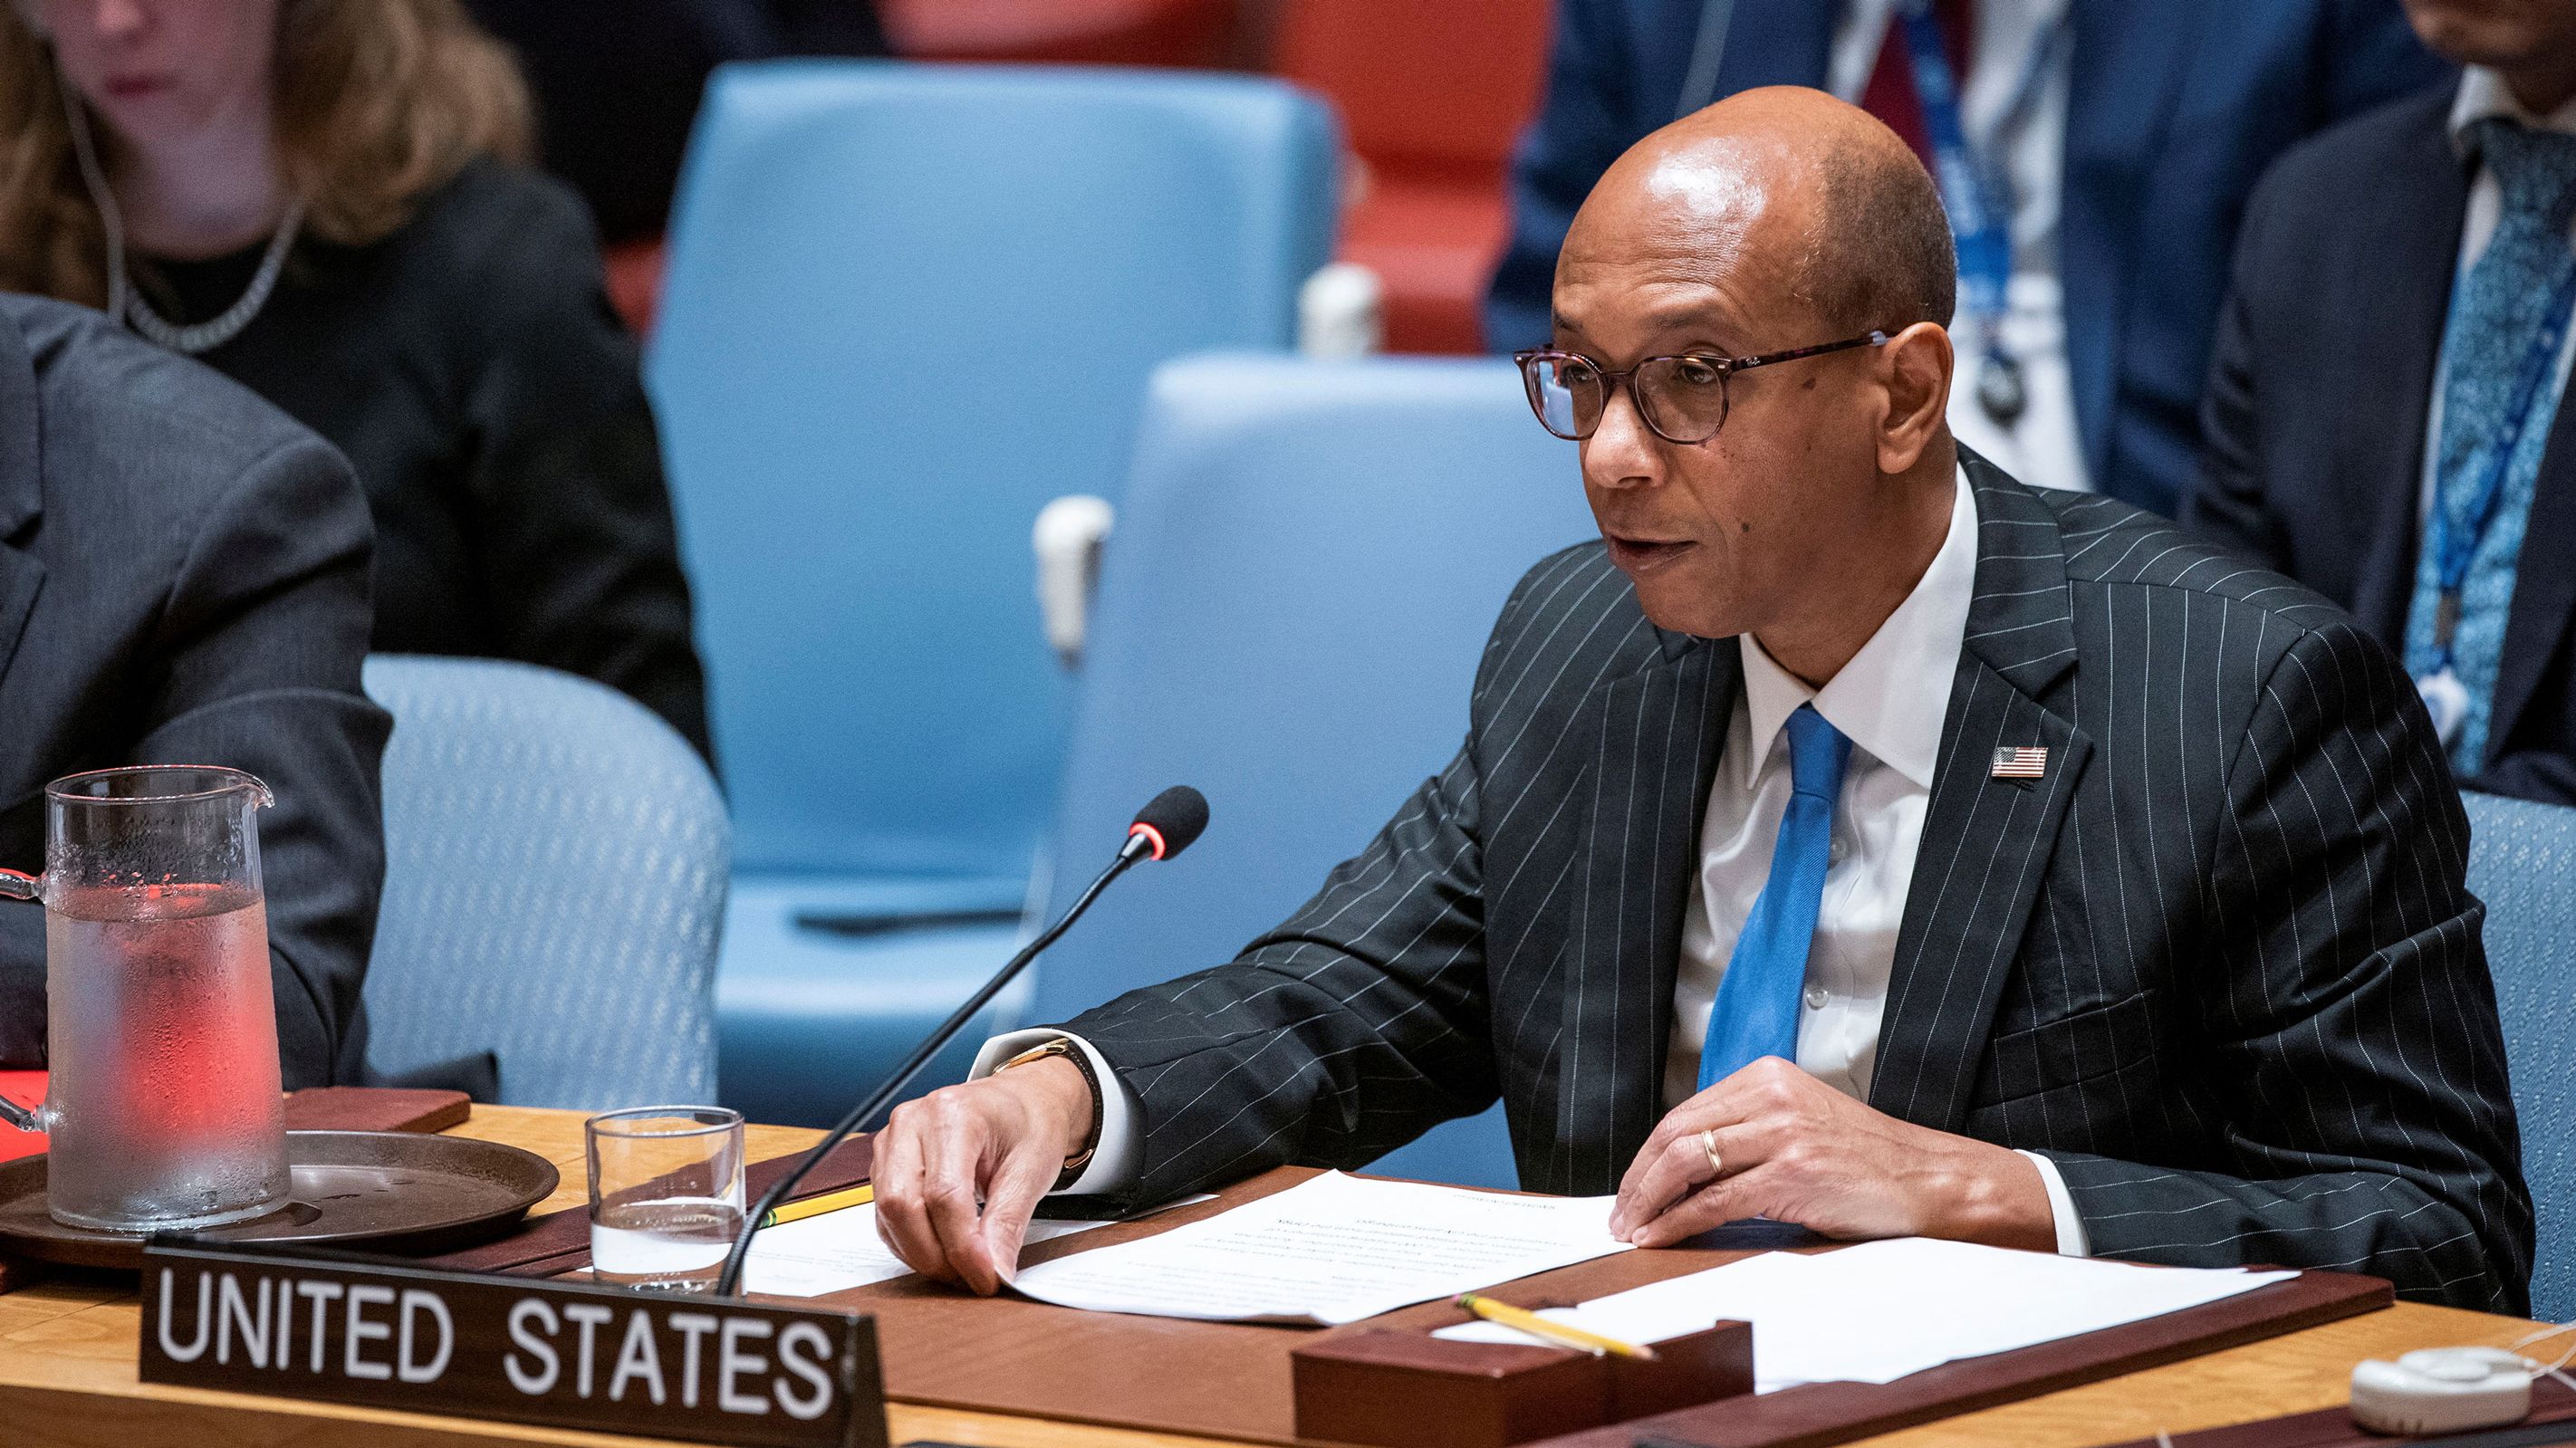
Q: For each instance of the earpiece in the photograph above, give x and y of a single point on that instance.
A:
(2442, 1390)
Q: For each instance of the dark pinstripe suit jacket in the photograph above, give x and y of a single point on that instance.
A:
(2218, 963)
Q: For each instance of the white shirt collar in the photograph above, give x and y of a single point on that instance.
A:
(1890, 699)
(2483, 94)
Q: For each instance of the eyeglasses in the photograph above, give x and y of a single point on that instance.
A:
(1682, 398)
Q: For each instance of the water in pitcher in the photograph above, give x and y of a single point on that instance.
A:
(163, 1038)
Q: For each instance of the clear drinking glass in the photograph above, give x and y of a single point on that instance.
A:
(665, 1195)
(160, 1024)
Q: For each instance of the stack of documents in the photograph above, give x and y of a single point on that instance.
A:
(1331, 1250)
(1879, 1311)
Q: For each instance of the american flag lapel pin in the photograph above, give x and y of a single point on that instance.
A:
(2021, 761)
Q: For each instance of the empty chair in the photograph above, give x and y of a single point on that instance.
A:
(554, 881)
(2522, 863)
(1433, 103)
(1306, 566)
(906, 306)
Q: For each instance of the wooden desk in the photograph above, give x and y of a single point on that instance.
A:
(67, 1373)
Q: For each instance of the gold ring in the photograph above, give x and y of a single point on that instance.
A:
(1708, 1143)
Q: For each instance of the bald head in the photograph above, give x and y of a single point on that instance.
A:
(1800, 499)
(1814, 194)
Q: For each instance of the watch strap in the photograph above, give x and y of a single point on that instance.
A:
(1064, 1046)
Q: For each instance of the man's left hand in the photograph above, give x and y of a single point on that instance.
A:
(1795, 1150)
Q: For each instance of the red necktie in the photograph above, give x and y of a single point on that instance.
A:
(1890, 94)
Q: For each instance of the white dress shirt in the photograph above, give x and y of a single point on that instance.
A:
(2042, 447)
(2483, 94)
(1890, 701)
(1120, 1153)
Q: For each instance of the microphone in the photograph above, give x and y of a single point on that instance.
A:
(1167, 825)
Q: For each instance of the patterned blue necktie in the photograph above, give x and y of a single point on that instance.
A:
(2497, 310)
(1756, 1011)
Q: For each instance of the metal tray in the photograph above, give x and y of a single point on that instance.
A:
(385, 1191)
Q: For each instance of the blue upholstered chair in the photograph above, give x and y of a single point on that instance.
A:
(907, 306)
(1306, 566)
(554, 881)
(2522, 862)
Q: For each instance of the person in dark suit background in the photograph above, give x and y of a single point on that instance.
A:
(183, 580)
(1853, 837)
(2385, 420)
(2118, 141)
(317, 198)
(617, 82)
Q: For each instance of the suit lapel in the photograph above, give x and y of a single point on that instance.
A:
(2543, 596)
(1659, 729)
(2125, 63)
(2404, 307)
(2409, 306)
(1986, 841)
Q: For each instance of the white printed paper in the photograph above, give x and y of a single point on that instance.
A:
(1878, 1311)
(1331, 1250)
(838, 1250)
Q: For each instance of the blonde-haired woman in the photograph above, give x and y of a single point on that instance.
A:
(324, 199)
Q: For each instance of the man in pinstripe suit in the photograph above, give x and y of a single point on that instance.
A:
(1855, 837)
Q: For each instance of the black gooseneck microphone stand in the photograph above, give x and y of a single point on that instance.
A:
(1162, 830)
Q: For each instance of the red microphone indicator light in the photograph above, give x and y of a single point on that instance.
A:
(1170, 823)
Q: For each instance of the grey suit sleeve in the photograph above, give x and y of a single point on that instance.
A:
(259, 647)
(1344, 1033)
(2347, 1010)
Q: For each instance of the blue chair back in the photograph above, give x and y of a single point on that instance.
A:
(907, 306)
(2522, 863)
(1307, 564)
(555, 875)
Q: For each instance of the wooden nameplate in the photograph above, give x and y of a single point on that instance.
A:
(1413, 1390)
(377, 1333)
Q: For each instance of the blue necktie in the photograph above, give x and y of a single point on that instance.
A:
(1756, 1011)
(2497, 310)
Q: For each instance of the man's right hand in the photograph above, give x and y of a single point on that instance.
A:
(998, 1143)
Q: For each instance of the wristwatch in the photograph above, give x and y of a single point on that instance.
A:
(1081, 1059)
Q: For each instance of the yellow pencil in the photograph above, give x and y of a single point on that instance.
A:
(857, 1196)
(1550, 1330)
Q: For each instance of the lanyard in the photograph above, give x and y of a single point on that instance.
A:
(1971, 186)
(2453, 540)
(1973, 190)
